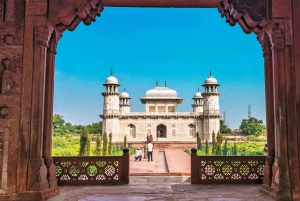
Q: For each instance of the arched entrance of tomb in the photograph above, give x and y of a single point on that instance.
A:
(30, 31)
(131, 130)
(161, 131)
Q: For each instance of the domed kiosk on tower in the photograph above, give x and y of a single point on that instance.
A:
(161, 118)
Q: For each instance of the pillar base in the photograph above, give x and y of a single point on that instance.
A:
(276, 194)
(38, 195)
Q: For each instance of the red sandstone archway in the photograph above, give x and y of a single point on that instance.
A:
(30, 31)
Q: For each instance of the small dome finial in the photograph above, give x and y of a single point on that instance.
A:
(111, 72)
(124, 90)
(156, 83)
(198, 90)
(166, 83)
(210, 73)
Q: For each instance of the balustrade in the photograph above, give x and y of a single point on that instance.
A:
(227, 169)
(80, 170)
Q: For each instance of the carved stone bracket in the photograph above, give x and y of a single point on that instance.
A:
(64, 14)
(42, 34)
(279, 32)
(251, 15)
(53, 41)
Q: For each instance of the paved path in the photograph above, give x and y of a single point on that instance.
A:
(161, 192)
(176, 159)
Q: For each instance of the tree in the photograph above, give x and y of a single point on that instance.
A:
(219, 143)
(206, 147)
(213, 152)
(95, 128)
(98, 149)
(88, 144)
(234, 149)
(224, 128)
(125, 142)
(199, 144)
(83, 141)
(104, 152)
(252, 126)
(225, 149)
(58, 125)
(110, 144)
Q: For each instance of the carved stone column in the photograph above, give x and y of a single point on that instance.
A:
(37, 174)
(266, 46)
(48, 113)
(37, 186)
(285, 181)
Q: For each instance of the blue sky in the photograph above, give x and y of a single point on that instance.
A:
(145, 45)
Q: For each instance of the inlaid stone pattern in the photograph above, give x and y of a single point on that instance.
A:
(3, 159)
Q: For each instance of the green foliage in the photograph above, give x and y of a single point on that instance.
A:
(83, 141)
(241, 148)
(95, 128)
(224, 128)
(225, 148)
(58, 125)
(206, 147)
(246, 148)
(98, 149)
(219, 143)
(125, 142)
(252, 126)
(234, 150)
(110, 144)
(199, 144)
(257, 139)
(88, 144)
(65, 145)
(214, 144)
(105, 140)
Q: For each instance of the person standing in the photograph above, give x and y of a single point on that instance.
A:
(150, 150)
(150, 138)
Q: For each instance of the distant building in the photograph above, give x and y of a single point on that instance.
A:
(161, 118)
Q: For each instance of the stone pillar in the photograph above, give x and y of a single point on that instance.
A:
(266, 45)
(48, 113)
(125, 166)
(194, 166)
(285, 171)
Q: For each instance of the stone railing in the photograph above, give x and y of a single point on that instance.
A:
(227, 169)
(81, 170)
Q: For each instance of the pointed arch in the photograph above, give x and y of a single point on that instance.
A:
(161, 131)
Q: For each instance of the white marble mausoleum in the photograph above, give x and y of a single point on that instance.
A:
(161, 118)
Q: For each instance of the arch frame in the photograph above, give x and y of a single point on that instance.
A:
(30, 31)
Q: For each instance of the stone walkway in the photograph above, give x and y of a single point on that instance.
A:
(161, 192)
(151, 181)
(177, 161)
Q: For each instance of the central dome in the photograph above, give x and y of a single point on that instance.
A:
(161, 92)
